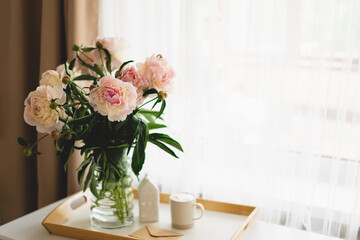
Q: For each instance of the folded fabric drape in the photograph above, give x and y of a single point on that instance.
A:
(38, 34)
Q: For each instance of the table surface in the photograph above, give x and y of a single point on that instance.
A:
(29, 227)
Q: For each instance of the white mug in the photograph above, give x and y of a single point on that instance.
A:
(182, 210)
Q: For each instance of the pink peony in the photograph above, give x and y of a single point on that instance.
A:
(157, 72)
(113, 98)
(131, 75)
(38, 112)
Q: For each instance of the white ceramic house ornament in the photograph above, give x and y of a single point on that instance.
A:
(149, 198)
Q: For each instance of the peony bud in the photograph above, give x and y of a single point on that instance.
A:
(27, 152)
(68, 136)
(55, 135)
(65, 80)
(75, 47)
(118, 74)
(162, 95)
(99, 45)
(53, 105)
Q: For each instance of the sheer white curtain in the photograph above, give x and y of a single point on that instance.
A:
(266, 102)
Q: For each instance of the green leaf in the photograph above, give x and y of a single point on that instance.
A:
(156, 102)
(91, 124)
(84, 164)
(89, 176)
(58, 148)
(153, 125)
(132, 128)
(166, 139)
(98, 157)
(89, 66)
(150, 91)
(163, 147)
(124, 64)
(66, 68)
(80, 175)
(154, 113)
(68, 149)
(23, 142)
(163, 105)
(72, 63)
(87, 49)
(138, 158)
(108, 60)
(148, 117)
(85, 77)
(146, 113)
(68, 158)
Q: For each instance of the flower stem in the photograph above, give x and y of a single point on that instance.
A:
(38, 141)
(119, 205)
(102, 62)
(86, 56)
(125, 201)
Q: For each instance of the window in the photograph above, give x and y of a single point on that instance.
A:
(265, 103)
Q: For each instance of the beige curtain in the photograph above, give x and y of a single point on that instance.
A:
(36, 36)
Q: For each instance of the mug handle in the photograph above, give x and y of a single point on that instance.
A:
(201, 210)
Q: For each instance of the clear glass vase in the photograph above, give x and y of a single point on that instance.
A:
(113, 207)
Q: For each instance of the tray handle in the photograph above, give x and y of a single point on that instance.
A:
(245, 224)
(68, 209)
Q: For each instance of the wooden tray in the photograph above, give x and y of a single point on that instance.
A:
(220, 221)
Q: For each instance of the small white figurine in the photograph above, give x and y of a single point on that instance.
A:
(148, 195)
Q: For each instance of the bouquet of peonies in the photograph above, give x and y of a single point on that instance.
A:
(95, 103)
